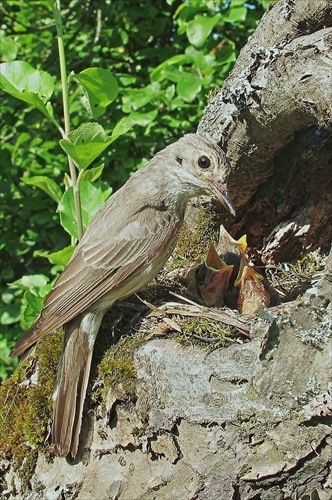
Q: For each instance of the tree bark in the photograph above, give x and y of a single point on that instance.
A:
(248, 422)
(273, 116)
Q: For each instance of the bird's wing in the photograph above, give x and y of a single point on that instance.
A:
(100, 264)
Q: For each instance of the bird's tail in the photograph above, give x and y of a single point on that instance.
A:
(73, 377)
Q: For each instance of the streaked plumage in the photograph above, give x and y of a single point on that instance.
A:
(125, 246)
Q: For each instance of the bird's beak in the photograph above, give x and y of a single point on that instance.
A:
(220, 191)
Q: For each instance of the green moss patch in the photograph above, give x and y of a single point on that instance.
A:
(26, 405)
(194, 241)
(117, 369)
(204, 332)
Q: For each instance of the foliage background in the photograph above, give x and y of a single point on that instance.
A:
(167, 56)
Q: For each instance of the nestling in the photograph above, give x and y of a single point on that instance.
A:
(210, 280)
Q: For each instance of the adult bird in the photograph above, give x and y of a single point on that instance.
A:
(124, 247)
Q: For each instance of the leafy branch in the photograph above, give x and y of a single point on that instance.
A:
(63, 72)
(82, 145)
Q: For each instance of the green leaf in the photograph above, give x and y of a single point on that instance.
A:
(157, 73)
(36, 288)
(92, 174)
(8, 47)
(46, 184)
(189, 86)
(137, 98)
(28, 84)
(122, 127)
(50, 3)
(200, 28)
(201, 60)
(126, 79)
(9, 314)
(32, 304)
(22, 79)
(61, 257)
(86, 143)
(236, 13)
(237, 3)
(128, 122)
(31, 281)
(169, 92)
(92, 198)
(100, 88)
(66, 208)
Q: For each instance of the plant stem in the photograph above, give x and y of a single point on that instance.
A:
(63, 73)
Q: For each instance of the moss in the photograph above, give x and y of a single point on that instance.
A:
(26, 406)
(212, 93)
(291, 280)
(204, 332)
(309, 264)
(194, 241)
(117, 368)
(145, 417)
(138, 432)
(29, 465)
(251, 392)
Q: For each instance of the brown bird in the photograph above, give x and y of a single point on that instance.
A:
(210, 279)
(125, 246)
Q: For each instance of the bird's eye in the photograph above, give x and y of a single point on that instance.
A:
(204, 162)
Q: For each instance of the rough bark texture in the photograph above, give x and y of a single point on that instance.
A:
(274, 117)
(252, 421)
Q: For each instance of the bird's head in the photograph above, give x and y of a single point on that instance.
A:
(200, 167)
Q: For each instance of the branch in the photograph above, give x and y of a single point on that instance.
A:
(63, 72)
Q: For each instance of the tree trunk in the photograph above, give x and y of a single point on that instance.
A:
(273, 116)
